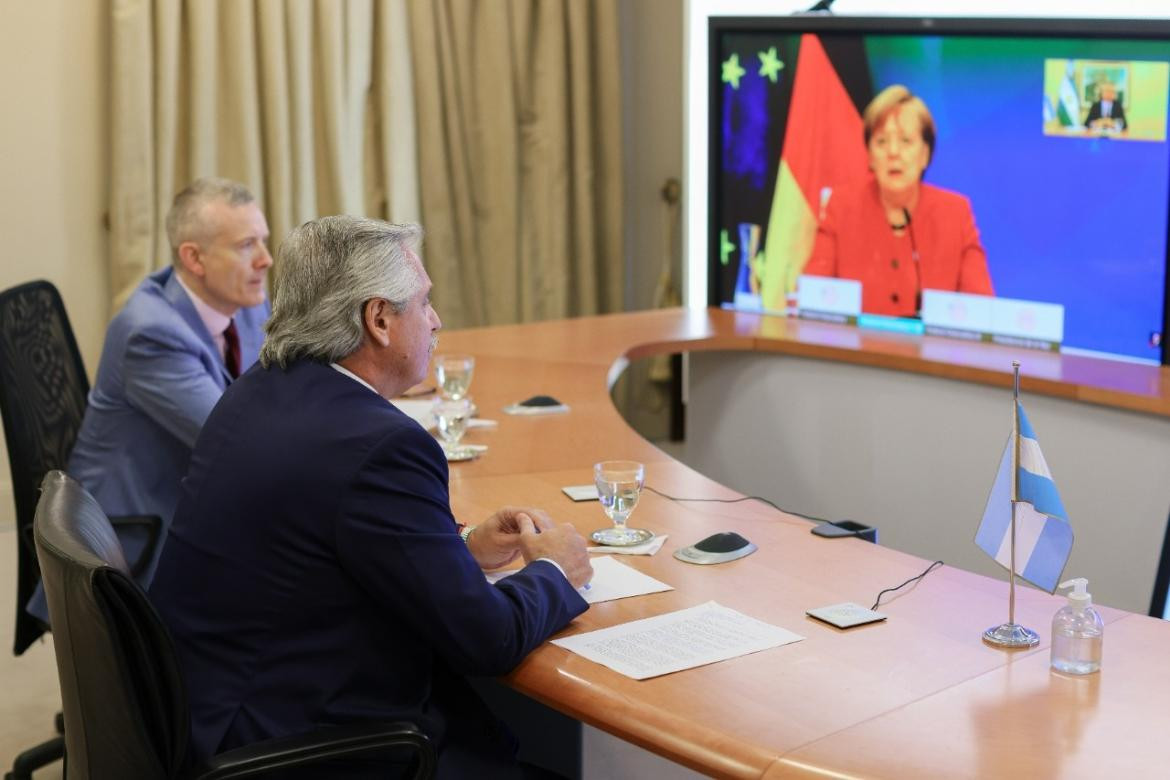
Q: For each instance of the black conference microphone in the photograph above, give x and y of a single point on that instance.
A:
(917, 269)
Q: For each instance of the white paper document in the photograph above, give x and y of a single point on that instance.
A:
(677, 640)
(581, 492)
(611, 580)
(645, 548)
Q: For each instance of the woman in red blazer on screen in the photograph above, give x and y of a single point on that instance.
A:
(892, 232)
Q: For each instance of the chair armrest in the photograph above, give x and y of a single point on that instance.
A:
(330, 742)
(153, 526)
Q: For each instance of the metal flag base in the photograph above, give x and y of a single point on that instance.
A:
(1011, 635)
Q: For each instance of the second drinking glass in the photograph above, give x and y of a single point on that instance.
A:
(453, 374)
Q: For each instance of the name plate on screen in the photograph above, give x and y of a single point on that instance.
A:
(745, 301)
(1009, 321)
(828, 299)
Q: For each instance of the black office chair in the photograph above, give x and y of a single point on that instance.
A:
(43, 388)
(42, 399)
(126, 709)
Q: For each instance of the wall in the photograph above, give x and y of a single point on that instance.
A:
(53, 96)
(651, 46)
(652, 82)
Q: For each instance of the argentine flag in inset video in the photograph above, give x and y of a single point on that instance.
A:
(1043, 536)
(1068, 111)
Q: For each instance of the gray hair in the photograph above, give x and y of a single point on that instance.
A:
(326, 271)
(185, 219)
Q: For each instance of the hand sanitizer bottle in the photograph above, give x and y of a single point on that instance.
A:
(1077, 632)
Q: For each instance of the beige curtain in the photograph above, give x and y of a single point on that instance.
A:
(306, 101)
(519, 133)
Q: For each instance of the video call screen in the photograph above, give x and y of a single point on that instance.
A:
(1057, 144)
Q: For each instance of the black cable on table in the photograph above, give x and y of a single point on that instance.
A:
(929, 569)
(772, 504)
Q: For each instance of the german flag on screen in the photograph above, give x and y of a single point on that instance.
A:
(823, 147)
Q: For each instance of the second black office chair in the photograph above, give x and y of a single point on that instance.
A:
(126, 710)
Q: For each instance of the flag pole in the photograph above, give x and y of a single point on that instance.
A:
(1010, 634)
(1015, 487)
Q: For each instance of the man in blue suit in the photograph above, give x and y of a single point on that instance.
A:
(314, 573)
(182, 336)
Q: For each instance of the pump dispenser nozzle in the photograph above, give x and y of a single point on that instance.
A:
(1079, 598)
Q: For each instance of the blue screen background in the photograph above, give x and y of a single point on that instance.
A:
(1076, 221)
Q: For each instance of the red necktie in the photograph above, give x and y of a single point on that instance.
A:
(231, 358)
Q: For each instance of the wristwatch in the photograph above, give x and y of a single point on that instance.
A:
(466, 532)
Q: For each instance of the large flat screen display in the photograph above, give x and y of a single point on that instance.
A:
(991, 179)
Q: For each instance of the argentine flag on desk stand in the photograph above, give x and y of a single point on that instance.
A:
(1043, 536)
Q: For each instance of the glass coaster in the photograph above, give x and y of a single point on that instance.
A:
(621, 537)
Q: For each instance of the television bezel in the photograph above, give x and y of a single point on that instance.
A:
(817, 23)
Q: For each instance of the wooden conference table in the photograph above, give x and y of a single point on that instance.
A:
(919, 695)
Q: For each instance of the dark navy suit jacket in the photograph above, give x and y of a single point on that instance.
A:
(314, 574)
(1117, 113)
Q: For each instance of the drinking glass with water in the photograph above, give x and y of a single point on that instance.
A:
(453, 374)
(619, 485)
(451, 419)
